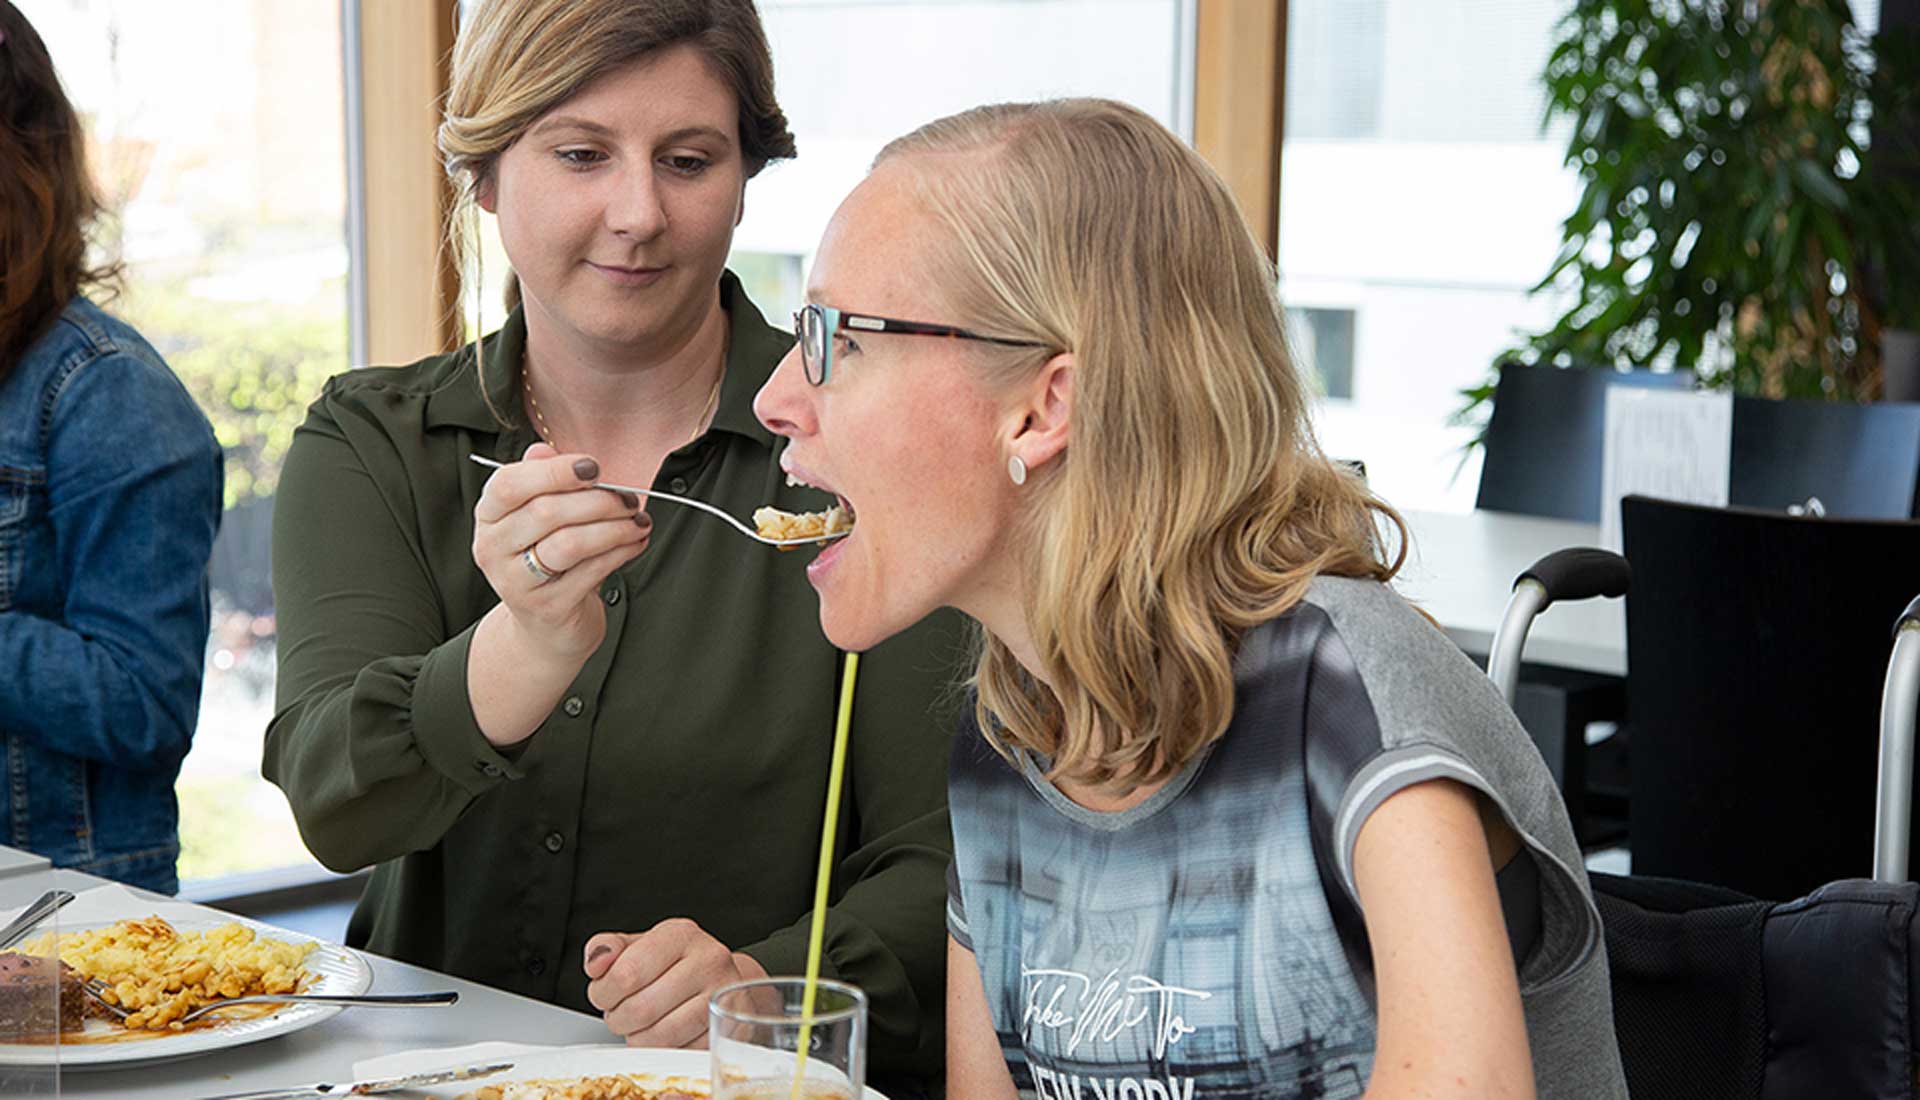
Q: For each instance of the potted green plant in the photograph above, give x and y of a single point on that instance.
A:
(1723, 224)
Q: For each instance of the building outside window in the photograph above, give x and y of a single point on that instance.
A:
(1420, 198)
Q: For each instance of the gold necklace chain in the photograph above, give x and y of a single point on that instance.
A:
(545, 432)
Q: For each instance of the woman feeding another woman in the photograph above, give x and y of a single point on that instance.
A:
(1236, 818)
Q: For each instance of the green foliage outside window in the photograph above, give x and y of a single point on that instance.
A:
(1731, 213)
(252, 367)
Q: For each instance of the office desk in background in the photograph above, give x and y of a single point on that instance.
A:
(1461, 571)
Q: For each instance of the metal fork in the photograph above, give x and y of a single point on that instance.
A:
(383, 1000)
(691, 503)
(95, 989)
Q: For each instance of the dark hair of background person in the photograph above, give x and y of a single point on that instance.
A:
(47, 199)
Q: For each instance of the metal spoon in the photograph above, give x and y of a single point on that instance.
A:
(691, 503)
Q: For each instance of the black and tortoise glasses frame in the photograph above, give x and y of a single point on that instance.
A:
(814, 326)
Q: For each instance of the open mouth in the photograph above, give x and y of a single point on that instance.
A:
(772, 523)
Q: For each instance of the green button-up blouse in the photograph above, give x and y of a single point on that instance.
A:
(684, 772)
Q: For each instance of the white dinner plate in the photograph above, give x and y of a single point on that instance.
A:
(659, 1066)
(335, 969)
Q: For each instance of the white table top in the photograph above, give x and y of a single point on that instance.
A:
(13, 861)
(327, 1050)
(1462, 569)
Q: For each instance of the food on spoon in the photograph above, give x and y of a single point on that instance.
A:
(772, 523)
(160, 974)
(27, 997)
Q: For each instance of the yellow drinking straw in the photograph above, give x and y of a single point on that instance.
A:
(825, 875)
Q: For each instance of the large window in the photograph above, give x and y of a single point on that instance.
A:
(854, 74)
(218, 139)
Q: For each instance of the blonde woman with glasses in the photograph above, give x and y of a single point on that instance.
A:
(1235, 819)
(582, 738)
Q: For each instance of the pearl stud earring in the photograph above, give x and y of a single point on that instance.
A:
(1017, 470)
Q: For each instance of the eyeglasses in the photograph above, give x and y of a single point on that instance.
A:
(814, 326)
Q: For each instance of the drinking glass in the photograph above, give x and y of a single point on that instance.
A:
(755, 1031)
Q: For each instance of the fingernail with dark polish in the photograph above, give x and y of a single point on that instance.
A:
(586, 469)
(629, 500)
(643, 521)
(595, 955)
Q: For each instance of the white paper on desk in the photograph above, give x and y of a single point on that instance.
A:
(1666, 444)
(427, 1061)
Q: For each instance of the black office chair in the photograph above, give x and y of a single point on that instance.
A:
(1755, 646)
(1546, 438)
(1859, 461)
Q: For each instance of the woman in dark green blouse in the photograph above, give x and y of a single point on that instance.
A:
(583, 736)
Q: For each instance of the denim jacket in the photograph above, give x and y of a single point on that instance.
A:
(110, 496)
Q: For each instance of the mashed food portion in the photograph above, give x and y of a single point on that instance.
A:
(615, 1086)
(159, 974)
(775, 524)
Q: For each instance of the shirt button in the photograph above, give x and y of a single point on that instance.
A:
(487, 769)
(536, 966)
(678, 485)
(555, 842)
(611, 595)
(573, 706)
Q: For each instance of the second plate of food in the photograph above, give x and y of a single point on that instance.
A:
(609, 1073)
(115, 951)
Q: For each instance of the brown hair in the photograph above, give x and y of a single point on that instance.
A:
(515, 60)
(1193, 502)
(47, 200)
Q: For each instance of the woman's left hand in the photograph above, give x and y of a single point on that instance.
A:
(653, 987)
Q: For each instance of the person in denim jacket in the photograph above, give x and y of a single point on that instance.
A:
(110, 496)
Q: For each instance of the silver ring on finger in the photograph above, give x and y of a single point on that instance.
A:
(541, 574)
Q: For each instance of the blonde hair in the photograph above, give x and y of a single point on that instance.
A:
(515, 60)
(1193, 501)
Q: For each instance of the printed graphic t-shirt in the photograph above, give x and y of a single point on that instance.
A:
(1208, 942)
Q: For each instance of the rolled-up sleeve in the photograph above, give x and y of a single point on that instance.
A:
(374, 739)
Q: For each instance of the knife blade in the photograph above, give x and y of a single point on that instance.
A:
(372, 1087)
(21, 926)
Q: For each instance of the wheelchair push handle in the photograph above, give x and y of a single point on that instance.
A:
(1899, 708)
(1909, 617)
(1576, 573)
(1580, 573)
